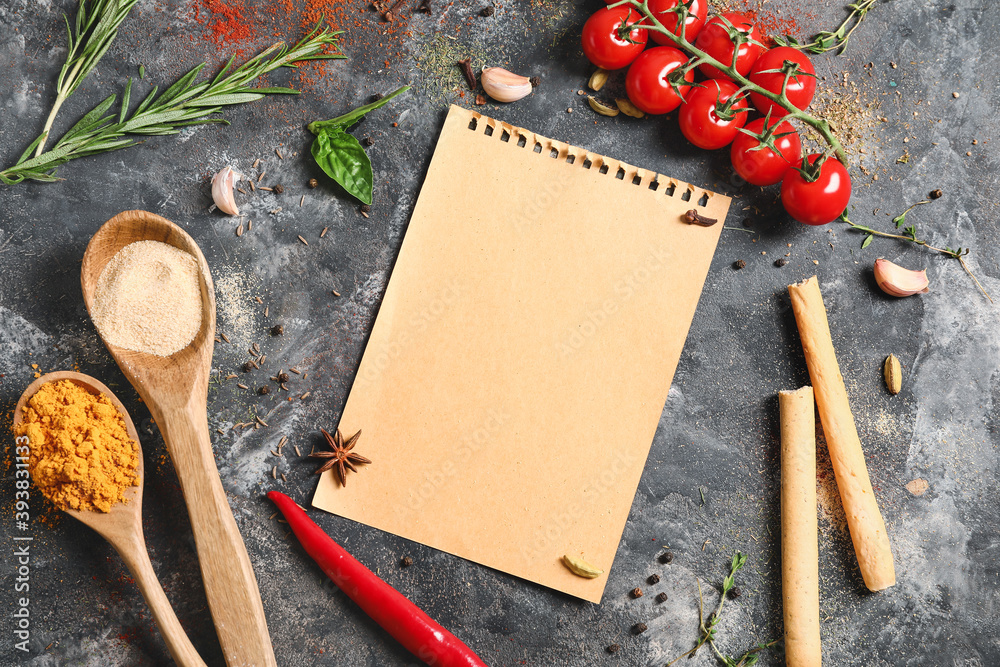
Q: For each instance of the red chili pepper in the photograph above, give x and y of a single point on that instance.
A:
(402, 619)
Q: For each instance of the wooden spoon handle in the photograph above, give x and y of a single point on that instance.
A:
(230, 585)
(132, 549)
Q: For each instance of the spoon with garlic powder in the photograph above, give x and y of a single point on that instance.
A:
(121, 525)
(149, 291)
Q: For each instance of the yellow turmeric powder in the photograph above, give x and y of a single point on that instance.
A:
(82, 457)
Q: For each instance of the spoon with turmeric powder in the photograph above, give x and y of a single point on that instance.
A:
(100, 482)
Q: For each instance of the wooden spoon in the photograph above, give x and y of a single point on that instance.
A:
(122, 527)
(175, 389)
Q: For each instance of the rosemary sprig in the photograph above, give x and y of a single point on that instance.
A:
(708, 627)
(90, 37)
(825, 40)
(182, 104)
(910, 234)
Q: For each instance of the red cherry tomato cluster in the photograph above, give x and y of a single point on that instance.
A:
(714, 112)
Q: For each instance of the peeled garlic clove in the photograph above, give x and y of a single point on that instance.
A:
(504, 86)
(222, 190)
(894, 280)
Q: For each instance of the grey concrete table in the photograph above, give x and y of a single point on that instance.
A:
(711, 483)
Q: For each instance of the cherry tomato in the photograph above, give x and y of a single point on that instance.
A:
(821, 201)
(692, 25)
(646, 82)
(610, 41)
(800, 88)
(699, 121)
(715, 41)
(764, 166)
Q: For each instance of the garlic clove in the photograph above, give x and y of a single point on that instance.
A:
(504, 86)
(222, 190)
(894, 280)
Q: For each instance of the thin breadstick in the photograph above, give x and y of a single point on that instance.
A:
(799, 533)
(871, 543)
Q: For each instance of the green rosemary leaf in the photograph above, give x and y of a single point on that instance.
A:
(142, 72)
(225, 100)
(27, 151)
(183, 83)
(270, 91)
(867, 241)
(125, 100)
(150, 97)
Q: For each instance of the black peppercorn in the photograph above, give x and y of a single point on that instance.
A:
(279, 188)
(282, 377)
(662, 597)
(487, 11)
(534, 81)
(377, 96)
(406, 561)
(780, 262)
(277, 330)
(735, 592)
(739, 264)
(666, 557)
(936, 194)
(367, 141)
(639, 628)
(614, 648)
(313, 182)
(653, 579)
(636, 593)
(247, 367)
(264, 391)
(365, 208)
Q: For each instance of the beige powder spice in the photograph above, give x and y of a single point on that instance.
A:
(148, 299)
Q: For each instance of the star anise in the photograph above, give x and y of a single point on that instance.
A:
(341, 458)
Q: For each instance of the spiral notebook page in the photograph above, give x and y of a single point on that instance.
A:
(521, 357)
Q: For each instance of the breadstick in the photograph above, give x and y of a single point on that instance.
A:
(799, 534)
(871, 543)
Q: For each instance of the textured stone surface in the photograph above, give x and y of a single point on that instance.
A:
(710, 485)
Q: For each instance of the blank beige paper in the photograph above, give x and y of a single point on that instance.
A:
(521, 358)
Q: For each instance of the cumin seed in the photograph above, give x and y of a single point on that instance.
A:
(303, 240)
(302, 200)
(274, 472)
(274, 453)
(261, 177)
(256, 163)
(239, 230)
(296, 448)
(224, 336)
(252, 188)
(335, 293)
(258, 300)
(267, 189)
(283, 478)
(242, 386)
(272, 516)
(280, 156)
(323, 233)
(294, 370)
(220, 431)
(249, 225)
(304, 396)
(231, 376)
(268, 308)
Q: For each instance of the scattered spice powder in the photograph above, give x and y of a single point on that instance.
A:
(82, 457)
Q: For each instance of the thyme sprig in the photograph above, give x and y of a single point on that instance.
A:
(90, 37)
(183, 104)
(910, 235)
(682, 10)
(708, 627)
(825, 40)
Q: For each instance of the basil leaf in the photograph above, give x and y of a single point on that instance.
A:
(345, 161)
